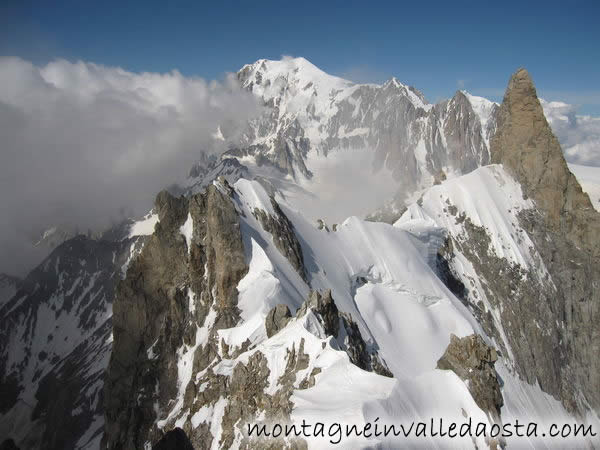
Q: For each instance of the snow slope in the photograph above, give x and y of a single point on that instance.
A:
(381, 276)
(491, 199)
(384, 277)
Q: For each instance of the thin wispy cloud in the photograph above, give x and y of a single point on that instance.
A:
(461, 84)
(364, 74)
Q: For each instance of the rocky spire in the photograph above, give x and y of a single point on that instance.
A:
(565, 230)
(525, 145)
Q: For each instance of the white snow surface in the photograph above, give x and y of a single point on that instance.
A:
(305, 93)
(382, 276)
(490, 198)
(306, 86)
(484, 109)
(145, 226)
(187, 229)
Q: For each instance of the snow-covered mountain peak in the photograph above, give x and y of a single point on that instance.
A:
(268, 78)
(299, 69)
(296, 87)
(310, 114)
(414, 95)
(483, 107)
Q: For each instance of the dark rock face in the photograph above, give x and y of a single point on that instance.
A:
(165, 368)
(336, 324)
(325, 307)
(464, 135)
(521, 298)
(176, 439)
(284, 236)
(8, 287)
(161, 305)
(277, 318)
(344, 329)
(55, 342)
(473, 361)
(526, 146)
(566, 232)
(8, 444)
(177, 295)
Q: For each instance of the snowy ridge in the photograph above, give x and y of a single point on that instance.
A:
(309, 111)
(491, 199)
(485, 110)
(488, 198)
(383, 277)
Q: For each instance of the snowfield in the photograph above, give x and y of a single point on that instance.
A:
(384, 277)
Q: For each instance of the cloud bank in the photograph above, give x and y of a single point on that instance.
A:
(579, 135)
(83, 144)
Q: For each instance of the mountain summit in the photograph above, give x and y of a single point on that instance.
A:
(566, 232)
(526, 145)
(310, 113)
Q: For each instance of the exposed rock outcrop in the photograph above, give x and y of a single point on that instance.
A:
(8, 444)
(176, 439)
(527, 147)
(334, 323)
(565, 230)
(283, 234)
(473, 361)
(277, 318)
(345, 330)
(55, 343)
(189, 268)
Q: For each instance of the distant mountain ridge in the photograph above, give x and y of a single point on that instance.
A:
(310, 110)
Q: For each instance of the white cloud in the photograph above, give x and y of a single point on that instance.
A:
(579, 135)
(82, 143)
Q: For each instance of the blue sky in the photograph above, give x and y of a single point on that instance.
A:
(436, 46)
